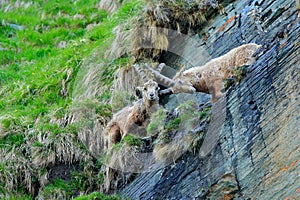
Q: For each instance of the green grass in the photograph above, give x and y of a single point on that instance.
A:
(12, 140)
(33, 65)
(157, 122)
(96, 196)
(240, 72)
(173, 124)
(205, 112)
(42, 49)
(78, 182)
(132, 140)
(117, 146)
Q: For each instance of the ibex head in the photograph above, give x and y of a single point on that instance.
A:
(182, 84)
(150, 89)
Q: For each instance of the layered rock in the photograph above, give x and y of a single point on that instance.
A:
(257, 151)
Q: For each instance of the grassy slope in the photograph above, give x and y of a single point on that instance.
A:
(40, 62)
(44, 47)
(32, 64)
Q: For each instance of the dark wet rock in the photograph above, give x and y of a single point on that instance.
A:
(62, 171)
(256, 154)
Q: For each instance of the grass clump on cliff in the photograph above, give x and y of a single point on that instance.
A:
(239, 73)
(132, 140)
(157, 122)
(180, 133)
(161, 18)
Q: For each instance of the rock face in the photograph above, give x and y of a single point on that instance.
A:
(257, 152)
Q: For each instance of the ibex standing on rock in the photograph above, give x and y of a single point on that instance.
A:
(132, 119)
(209, 77)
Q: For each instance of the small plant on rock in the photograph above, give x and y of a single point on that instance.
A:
(132, 140)
(157, 122)
(240, 73)
(173, 124)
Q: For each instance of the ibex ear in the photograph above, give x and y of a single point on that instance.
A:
(139, 92)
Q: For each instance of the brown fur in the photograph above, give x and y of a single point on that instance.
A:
(133, 119)
(209, 77)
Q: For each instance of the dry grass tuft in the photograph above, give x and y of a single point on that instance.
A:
(56, 193)
(177, 14)
(49, 149)
(122, 162)
(161, 42)
(90, 101)
(148, 34)
(16, 4)
(121, 45)
(91, 117)
(170, 152)
(124, 157)
(109, 5)
(89, 86)
(123, 89)
(157, 122)
(15, 170)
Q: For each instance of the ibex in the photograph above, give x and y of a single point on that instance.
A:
(209, 77)
(132, 119)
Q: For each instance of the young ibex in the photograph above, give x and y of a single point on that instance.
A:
(209, 77)
(134, 119)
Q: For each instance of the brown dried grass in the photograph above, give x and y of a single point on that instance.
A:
(15, 170)
(147, 35)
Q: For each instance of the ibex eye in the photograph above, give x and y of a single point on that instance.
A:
(145, 89)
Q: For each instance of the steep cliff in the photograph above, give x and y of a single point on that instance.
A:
(256, 153)
(66, 67)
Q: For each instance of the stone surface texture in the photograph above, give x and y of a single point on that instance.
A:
(258, 146)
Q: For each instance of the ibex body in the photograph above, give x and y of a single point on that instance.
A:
(209, 77)
(133, 118)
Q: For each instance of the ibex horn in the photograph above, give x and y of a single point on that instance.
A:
(141, 72)
(165, 91)
(160, 78)
(160, 67)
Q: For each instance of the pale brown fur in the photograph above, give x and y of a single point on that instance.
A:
(133, 119)
(209, 77)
